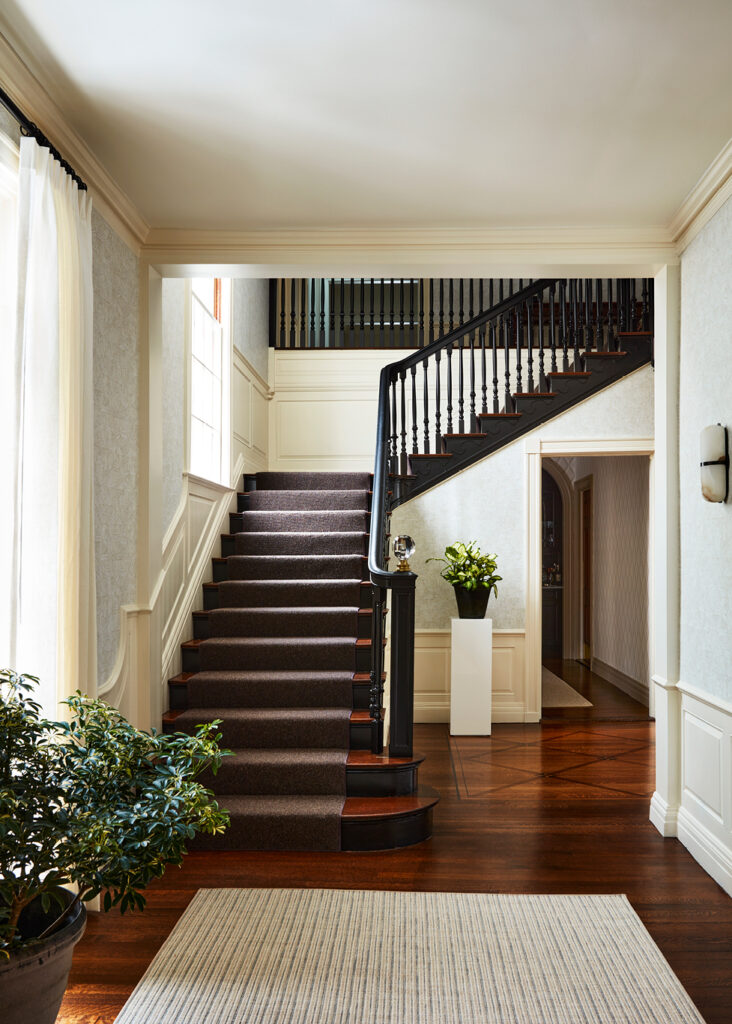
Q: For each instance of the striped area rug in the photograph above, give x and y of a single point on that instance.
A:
(293, 956)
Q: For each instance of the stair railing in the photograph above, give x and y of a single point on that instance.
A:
(473, 373)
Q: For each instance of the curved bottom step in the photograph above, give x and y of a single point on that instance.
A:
(387, 823)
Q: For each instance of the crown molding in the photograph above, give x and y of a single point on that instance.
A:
(709, 194)
(344, 251)
(111, 202)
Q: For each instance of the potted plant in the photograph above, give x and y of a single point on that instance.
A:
(91, 803)
(472, 575)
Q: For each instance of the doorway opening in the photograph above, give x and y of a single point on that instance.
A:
(595, 588)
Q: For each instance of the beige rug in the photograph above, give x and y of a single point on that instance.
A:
(555, 693)
(321, 956)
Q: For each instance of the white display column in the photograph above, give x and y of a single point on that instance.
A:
(471, 677)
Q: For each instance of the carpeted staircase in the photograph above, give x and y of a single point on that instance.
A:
(281, 654)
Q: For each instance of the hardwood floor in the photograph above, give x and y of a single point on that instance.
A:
(608, 702)
(538, 809)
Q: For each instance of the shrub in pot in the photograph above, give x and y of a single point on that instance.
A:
(91, 803)
(472, 575)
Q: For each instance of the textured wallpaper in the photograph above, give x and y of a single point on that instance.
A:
(487, 503)
(705, 398)
(115, 433)
(250, 302)
(620, 597)
(174, 296)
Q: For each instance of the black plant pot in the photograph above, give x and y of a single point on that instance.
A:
(472, 604)
(33, 980)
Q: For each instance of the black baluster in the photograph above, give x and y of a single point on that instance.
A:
(426, 403)
(391, 312)
(432, 312)
(484, 380)
(461, 414)
(352, 343)
(401, 313)
(500, 290)
(494, 354)
(575, 322)
(283, 300)
(565, 336)
(542, 374)
(442, 308)
(588, 314)
(420, 339)
(516, 325)
(508, 400)
(450, 300)
(381, 314)
(438, 433)
(303, 304)
(490, 293)
(332, 337)
(403, 432)
(633, 322)
(371, 313)
(415, 449)
(620, 305)
(552, 334)
(598, 315)
(361, 317)
(322, 312)
(411, 313)
(510, 288)
(394, 435)
(343, 312)
(480, 296)
(530, 344)
(470, 302)
(473, 420)
(462, 314)
(312, 312)
(609, 317)
(449, 388)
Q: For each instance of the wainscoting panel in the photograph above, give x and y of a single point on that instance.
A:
(250, 397)
(432, 676)
(705, 815)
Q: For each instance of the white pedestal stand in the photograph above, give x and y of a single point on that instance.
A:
(471, 677)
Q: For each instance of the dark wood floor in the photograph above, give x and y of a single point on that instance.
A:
(608, 702)
(537, 809)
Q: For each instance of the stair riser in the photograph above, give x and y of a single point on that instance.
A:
(276, 657)
(323, 521)
(258, 735)
(304, 595)
(185, 695)
(297, 544)
(387, 833)
(191, 662)
(356, 501)
(254, 567)
(387, 781)
(261, 625)
(275, 780)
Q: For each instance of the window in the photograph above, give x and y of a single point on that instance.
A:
(209, 327)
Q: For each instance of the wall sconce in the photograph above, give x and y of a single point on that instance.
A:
(714, 463)
(404, 548)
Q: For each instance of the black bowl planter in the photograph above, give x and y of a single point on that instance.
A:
(472, 604)
(33, 980)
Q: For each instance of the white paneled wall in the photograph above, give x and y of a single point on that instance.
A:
(250, 396)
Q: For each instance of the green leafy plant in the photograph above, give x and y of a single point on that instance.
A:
(92, 802)
(466, 567)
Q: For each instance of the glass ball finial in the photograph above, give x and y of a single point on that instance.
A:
(404, 548)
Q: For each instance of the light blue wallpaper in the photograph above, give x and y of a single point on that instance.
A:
(116, 365)
(250, 308)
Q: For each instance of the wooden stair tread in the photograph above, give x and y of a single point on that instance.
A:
(533, 394)
(594, 353)
(634, 334)
(432, 455)
(183, 677)
(366, 808)
(365, 759)
(499, 415)
(356, 716)
(476, 434)
(570, 373)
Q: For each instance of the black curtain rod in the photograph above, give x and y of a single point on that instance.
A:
(32, 130)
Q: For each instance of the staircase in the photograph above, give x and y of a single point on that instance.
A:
(282, 654)
(289, 649)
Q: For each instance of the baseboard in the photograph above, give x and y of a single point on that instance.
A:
(633, 687)
(706, 848)
(664, 817)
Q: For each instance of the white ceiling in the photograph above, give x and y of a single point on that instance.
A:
(321, 113)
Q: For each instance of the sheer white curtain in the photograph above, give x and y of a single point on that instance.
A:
(51, 626)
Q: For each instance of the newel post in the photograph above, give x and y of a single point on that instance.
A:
(401, 680)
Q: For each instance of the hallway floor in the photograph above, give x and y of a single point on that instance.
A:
(534, 808)
(608, 702)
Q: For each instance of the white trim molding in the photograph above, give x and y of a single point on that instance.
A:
(535, 448)
(635, 688)
(707, 196)
(705, 815)
(109, 199)
(432, 676)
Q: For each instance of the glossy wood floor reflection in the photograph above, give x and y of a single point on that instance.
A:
(535, 809)
(608, 702)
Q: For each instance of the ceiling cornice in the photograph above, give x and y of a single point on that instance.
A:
(109, 199)
(710, 193)
(331, 250)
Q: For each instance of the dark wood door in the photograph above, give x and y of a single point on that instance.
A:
(552, 591)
